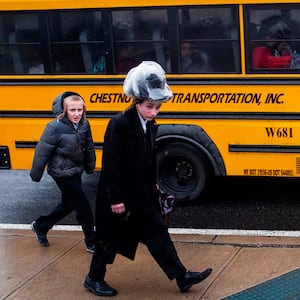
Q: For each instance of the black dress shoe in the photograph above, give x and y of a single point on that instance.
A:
(41, 237)
(99, 288)
(190, 278)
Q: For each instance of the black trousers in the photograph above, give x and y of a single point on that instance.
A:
(73, 198)
(155, 235)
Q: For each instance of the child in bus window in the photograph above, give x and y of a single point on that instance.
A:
(191, 61)
(274, 53)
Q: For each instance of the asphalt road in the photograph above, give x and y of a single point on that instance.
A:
(233, 203)
(245, 203)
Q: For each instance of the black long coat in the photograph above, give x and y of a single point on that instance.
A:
(127, 176)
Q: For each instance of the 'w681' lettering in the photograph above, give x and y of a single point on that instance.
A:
(280, 132)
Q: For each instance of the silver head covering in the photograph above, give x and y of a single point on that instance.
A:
(147, 81)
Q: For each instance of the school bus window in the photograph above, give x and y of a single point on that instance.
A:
(6, 62)
(138, 36)
(65, 29)
(210, 37)
(274, 35)
(92, 43)
(22, 47)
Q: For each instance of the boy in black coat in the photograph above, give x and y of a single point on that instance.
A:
(127, 209)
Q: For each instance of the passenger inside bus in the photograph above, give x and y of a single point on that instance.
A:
(133, 45)
(124, 58)
(275, 51)
(192, 61)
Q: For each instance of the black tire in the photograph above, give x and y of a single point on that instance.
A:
(182, 170)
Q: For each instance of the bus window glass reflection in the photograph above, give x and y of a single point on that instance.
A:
(138, 36)
(65, 28)
(212, 29)
(91, 40)
(25, 44)
(274, 39)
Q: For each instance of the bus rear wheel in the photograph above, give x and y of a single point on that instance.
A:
(182, 170)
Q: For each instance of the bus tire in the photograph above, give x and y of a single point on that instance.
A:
(182, 170)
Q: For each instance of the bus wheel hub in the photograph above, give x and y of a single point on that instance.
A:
(184, 170)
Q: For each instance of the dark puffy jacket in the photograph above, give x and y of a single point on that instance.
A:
(65, 150)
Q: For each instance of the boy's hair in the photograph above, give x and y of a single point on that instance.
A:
(65, 107)
(133, 104)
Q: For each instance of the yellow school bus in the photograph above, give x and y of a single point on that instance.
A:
(232, 65)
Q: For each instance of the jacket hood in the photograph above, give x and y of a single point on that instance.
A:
(58, 102)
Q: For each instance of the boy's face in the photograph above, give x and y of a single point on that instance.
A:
(186, 49)
(74, 110)
(149, 109)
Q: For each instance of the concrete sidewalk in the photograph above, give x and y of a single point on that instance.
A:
(29, 271)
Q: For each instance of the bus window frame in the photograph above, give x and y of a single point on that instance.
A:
(175, 38)
(248, 41)
(172, 42)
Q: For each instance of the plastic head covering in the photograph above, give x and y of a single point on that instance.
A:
(147, 81)
(279, 31)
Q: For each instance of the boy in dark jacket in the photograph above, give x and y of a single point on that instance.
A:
(127, 207)
(66, 147)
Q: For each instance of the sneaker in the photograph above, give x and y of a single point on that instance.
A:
(90, 249)
(40, 237)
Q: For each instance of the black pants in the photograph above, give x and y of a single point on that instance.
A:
(73, 198)
(156, 237)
